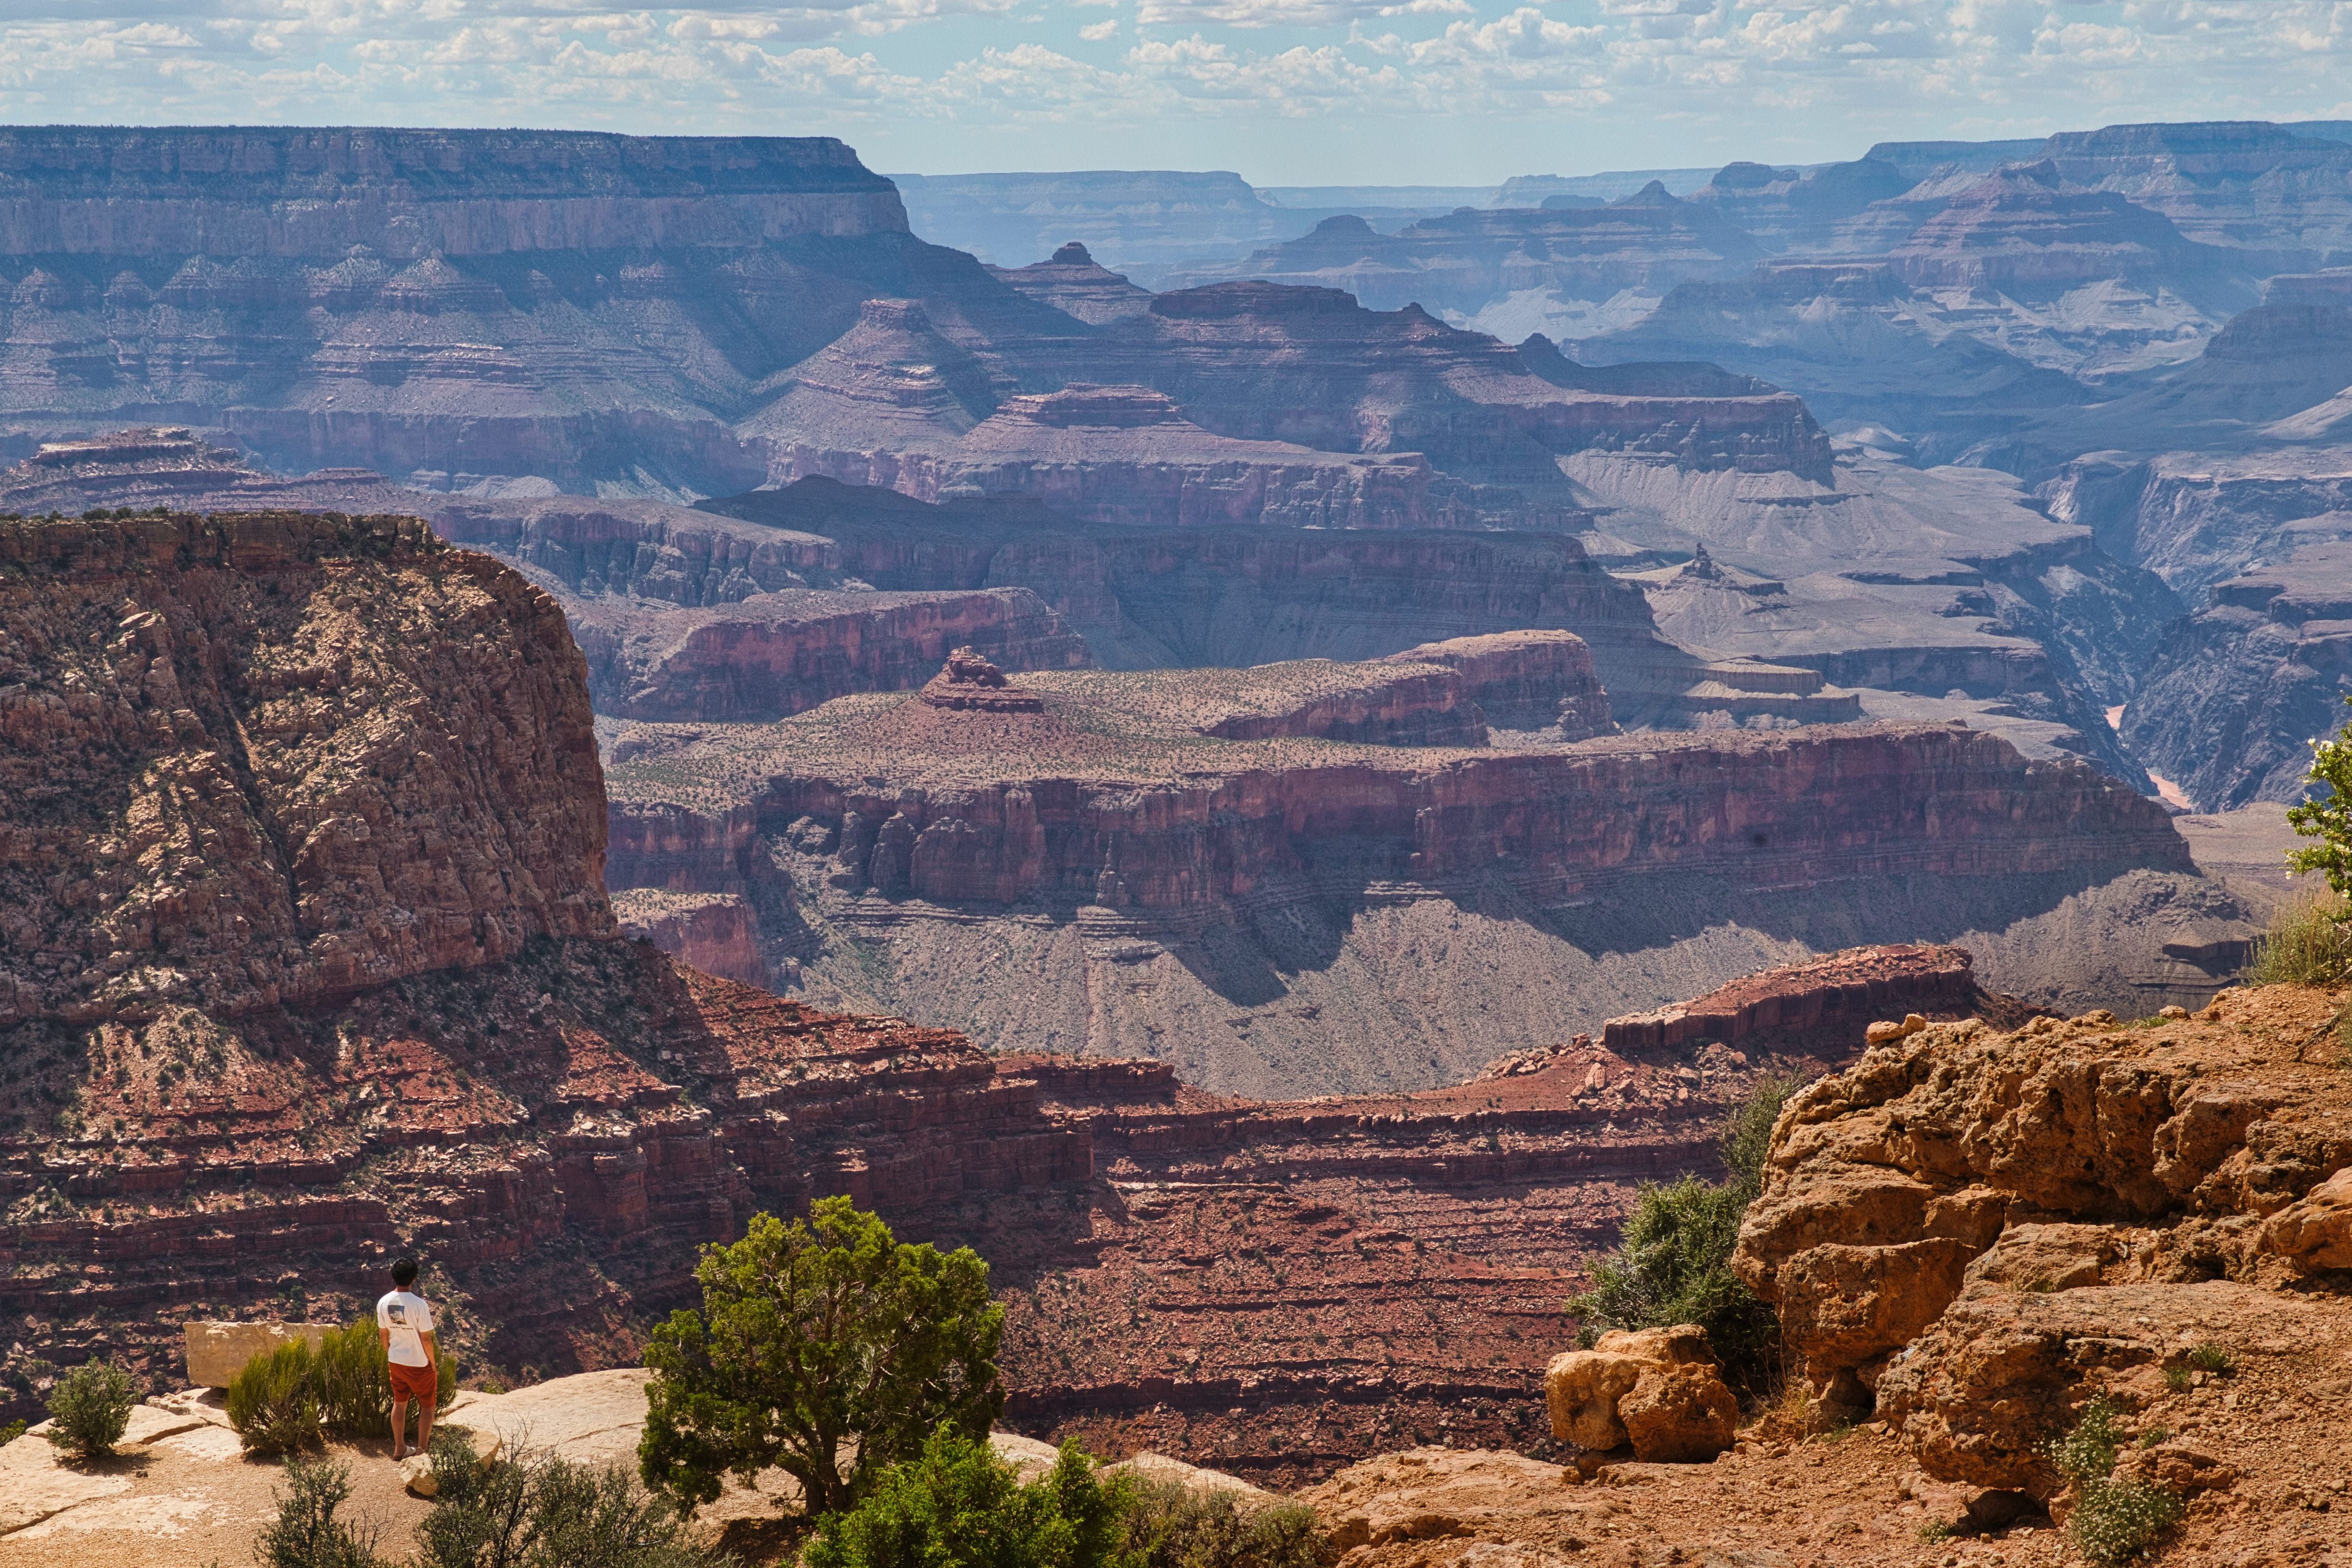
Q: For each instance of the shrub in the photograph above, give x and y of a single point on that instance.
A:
(1673, 1264)
(2115, 1522)
(2211, 1357)
(91, 1407)
(2328, 818)
(539, 1511)
(2306, 944)
(350, 1374)
(2112, 1521)
(273, 1401)
(306, 1533)
(957, 1505)
(12, 1431)
(817, 1340)
(1171, 1526)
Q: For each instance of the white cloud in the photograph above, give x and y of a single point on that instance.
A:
(1847, 71)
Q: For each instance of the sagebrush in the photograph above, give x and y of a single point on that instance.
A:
(273, 1402)
(536, 1510)
(2114, 1522)
(289, 1398)
(91, 1408)
(307, 1532)
(2307, 944)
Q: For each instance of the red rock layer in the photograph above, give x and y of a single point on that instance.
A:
(716, 932)
(1526, 680)
(995, 821)
(1862, 983)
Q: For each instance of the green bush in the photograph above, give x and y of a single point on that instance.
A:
(287, 1398)
(2211, 1357)
(91, 1407)
(539, 1511)
(1673, 1263)
(957, 1505)
(273, 1401)
(1171, 1526)
(306, 1533)
(825, 1349)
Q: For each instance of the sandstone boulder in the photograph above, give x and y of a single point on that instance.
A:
(1582, 1389)
(1659, 1389)
(1678, 1414)
(2315, 1233)
(2177, 1468)
(218, 1352)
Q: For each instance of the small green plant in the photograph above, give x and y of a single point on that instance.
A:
(2307, 944)
(91, 1408)
(2114, 1522)
(2117, 1522)
(306, 1533)
(2153, 1435)
(1172, 1526)
(1936, 1530)
(2177, 1379)
(273, 1402)
(2211, 1357)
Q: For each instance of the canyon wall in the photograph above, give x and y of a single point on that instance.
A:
(1281, 914)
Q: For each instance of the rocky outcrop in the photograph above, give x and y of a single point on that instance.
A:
(239, 761)
(1849, 988)
(1181, 864)
(1526, 680)
(1950, 1227)
(969, 684)
(1070, 281)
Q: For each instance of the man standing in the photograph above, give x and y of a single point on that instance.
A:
(404, 1324)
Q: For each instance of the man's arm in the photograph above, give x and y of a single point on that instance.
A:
(383, 1337)
(432, 1350)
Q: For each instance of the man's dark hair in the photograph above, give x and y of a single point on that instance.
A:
(403, 1272)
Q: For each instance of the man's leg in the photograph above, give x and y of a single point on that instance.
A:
(424, 1424)
(399, 1423)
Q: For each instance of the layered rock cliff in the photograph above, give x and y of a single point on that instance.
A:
(1255, 911)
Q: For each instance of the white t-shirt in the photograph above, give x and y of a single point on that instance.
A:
(409, 1319)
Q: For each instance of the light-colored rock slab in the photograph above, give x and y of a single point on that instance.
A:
(157, 1516)
(1029, 1458)
(217, 1352)
(1191, 1478)
(36, 1483)
(594, 1417)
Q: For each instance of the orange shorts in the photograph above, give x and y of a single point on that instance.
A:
(415, 1382)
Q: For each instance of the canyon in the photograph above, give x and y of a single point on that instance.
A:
(1211, 868)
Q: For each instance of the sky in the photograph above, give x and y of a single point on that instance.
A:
(1459, 92)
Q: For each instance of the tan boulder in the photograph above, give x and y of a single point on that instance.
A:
(1886, 1031)
(217, 1352)
(1582, 1389)
(1679, 1414)
(1676, 1345)
(1842, 1307)
(2316, 1232)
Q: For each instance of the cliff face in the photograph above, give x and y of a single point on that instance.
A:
(572, 306)
(266, 761)
(1950, 1228)
(1285, 914)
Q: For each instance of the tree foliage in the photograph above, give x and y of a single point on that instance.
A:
(823, 1348)
(957, 1505)
(2328, 818)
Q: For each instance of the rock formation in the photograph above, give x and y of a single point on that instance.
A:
(1070, 281)
(1526, 680)
(1282, 888)
(2144, 1188)
(969, 684)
